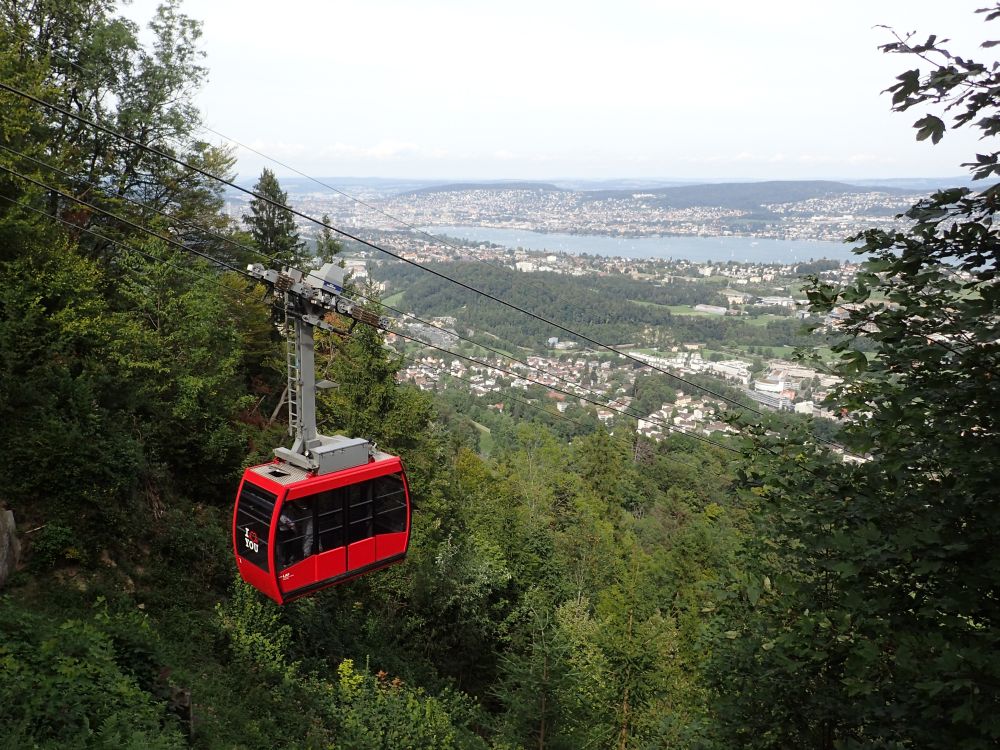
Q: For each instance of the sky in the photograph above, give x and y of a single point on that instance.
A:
(547, 89)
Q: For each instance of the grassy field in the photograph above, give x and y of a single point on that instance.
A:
(485, 438)
(761, 320)
(780, 352)
(649, 304)
(674, 309)
(394, 299)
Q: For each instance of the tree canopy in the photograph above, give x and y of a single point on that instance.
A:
(271, 227)
(567, 585)
(869, 609)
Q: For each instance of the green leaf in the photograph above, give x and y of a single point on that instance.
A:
(931, 127)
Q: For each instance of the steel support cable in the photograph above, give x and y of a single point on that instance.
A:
(343, 233)
(366, 243)
(246, 275)
(258, 252)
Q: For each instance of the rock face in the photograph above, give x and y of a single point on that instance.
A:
(10, 548)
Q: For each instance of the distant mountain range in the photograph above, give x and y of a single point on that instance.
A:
(460, 187)
(743, 195)
(737, 195)
(922, 184)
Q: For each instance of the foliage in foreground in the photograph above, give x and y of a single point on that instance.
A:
(598, 592)
(875, 613)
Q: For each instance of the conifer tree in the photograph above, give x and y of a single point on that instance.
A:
(271, 227)
(328, 247)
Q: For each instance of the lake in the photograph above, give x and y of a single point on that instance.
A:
(698, 249)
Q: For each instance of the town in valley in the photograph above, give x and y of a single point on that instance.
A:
(559, 375)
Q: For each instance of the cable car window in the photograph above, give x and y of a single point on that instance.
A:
(359, 512)
(330, 510)
(389, 502)
(253, 523)
(295, 532)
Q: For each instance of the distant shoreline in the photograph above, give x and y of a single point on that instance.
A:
(722, 248)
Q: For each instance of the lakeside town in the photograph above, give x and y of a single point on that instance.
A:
(602, 384)
(644, 214)
(426, 248)
(827, 215)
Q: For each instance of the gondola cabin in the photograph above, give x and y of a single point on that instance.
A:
(296, 532)
(329, 508)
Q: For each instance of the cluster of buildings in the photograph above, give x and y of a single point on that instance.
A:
(792, 387)
(577, 375)
(644, 214)
(691, 414)
(549, 209)
(784, 386)
(836, 217)
(687, 360)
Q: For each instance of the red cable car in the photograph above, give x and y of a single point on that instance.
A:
(296, 533)
(328, 509)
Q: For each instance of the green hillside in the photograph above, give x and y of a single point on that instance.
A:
(569, 584)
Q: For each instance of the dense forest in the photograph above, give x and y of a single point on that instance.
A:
(601, 308)
(613, 309)
(750, 196)
(574, 587)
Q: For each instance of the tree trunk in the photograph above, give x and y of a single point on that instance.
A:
(281, 402)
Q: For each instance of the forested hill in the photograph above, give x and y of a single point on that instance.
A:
(459, 187)
(138, 380)
(742, 195)
(584, 587)
(600, 309)
(739, 195)
(612, 309)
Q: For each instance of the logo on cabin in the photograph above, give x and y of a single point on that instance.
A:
(250, 539)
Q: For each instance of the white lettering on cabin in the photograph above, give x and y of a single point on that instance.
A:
(250, 539)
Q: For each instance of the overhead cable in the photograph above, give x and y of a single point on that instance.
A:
(261, 254)
(219, 262)
(366, 243)
(397, 256)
